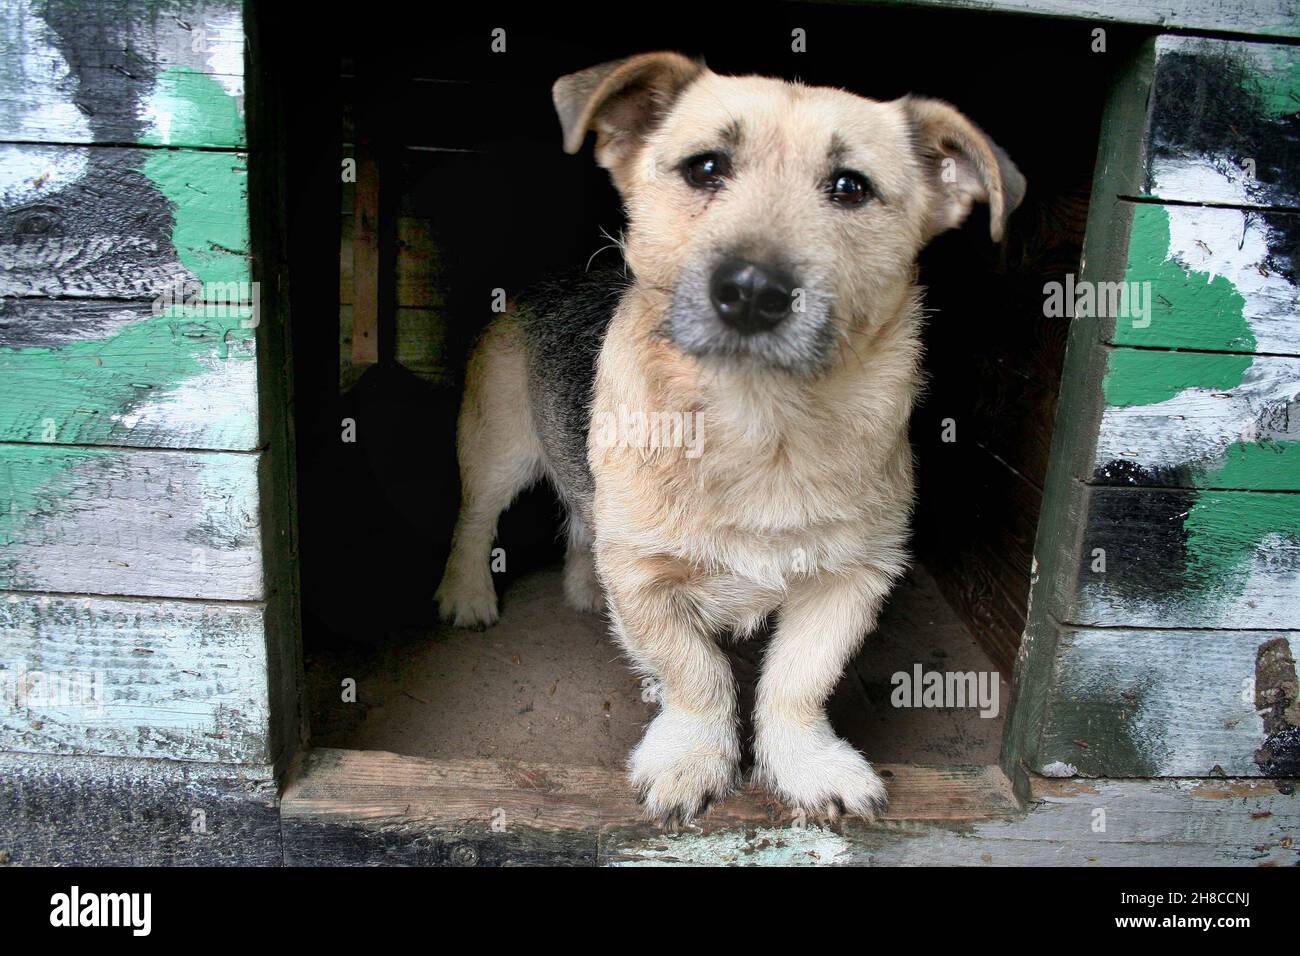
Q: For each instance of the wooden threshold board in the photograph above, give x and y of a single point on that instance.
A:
(387, 795)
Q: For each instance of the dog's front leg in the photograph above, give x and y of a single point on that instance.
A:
(797, 754)
(690, 752)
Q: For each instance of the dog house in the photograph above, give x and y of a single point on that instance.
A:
(244, 261)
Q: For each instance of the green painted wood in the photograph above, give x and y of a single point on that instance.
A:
(135, 678)
(1054, 569)
(1172, 704)
(1199, 420)
(146, 523)
(119, 71)
(1174, 558)
(1209, 278)
(1263, 18)
(100, 223)
(1223, 125)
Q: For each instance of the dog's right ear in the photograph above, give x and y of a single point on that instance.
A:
(622, 101)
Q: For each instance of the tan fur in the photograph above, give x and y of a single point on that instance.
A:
(800, 503)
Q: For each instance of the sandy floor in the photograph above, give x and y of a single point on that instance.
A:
(547, 685)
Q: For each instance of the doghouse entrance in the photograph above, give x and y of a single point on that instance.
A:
(454, 187)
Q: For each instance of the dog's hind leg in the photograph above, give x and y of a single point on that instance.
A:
(581, 586)
(500, 455)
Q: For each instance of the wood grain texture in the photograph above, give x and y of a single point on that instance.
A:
(354, 807)
(145, 523)
(418, 264)
(115, 373)
(106, 223)
(171, 680)
(121, 72)
(1199, 420)
(1223, 123)
(1267, 18)
(1175, 559)
(1212, 279)
(421, 346)
(90, 811)
(373, 807)
(1163, 704)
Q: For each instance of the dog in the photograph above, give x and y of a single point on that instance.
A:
(769, 299)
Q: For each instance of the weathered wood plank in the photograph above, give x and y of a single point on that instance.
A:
(150, 523)
(91, 811)
(1194, 419)
(354, 807)
(1223, 123)
(1069, 823)
(1209, 278)
(134, 678)
(118, 72)
(103, 223)
(1168, 558)
(421, 346)
(366, 807)
(116, 373)
(1173, 704)
(418, 264)
(1264, 18)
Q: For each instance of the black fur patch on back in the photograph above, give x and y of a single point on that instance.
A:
(564, 321)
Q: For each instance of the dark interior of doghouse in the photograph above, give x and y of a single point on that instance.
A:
(475, 194)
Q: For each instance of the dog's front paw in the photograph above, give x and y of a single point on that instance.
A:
(582, 588)
(683, 764)
(816, 771)
(467, 604)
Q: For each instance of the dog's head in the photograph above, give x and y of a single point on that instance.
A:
(777, 217)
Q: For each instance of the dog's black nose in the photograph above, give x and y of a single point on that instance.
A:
(749, 297)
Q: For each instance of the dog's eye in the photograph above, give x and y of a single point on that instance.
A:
(847, 188)
(706, 171)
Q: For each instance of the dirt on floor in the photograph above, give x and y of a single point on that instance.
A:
(548, 685)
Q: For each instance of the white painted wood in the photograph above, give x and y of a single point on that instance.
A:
(149, 523)
(51, 72)
(1267, 17)
(1197, 426)
(1133, 703)
(116, 677)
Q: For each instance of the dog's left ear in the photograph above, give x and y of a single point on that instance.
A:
(965, 167)
(622, 101)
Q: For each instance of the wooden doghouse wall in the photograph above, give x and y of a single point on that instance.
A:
(133, 550)
(1166, 607)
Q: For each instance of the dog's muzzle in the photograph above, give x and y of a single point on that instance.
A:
(749, 297)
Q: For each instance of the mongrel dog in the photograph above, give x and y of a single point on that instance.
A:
(770, 298)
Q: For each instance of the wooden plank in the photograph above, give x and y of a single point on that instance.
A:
(164, 679)
(103, 223)
(1209, 278)
(1172, 704)
(118, 72)
(147, 523)
(367, 807)
(1055, 566)
(89, 811)
(421, 346)
(1169, 558)
(1194, 419)
(1263, 18)
(116, 373)
(419, 266)
(1222, 123)
(1069, 823)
